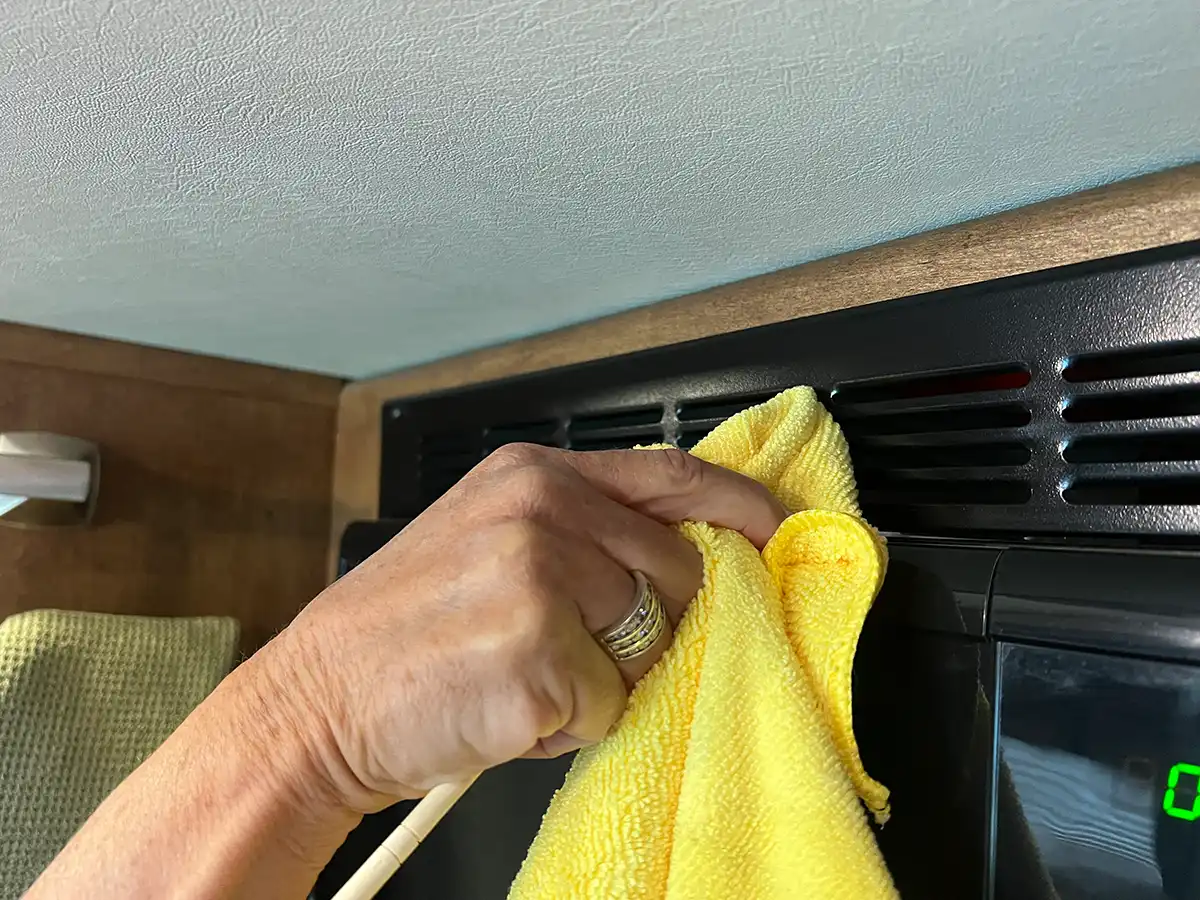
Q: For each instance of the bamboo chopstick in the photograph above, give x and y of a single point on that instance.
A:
(389, 856)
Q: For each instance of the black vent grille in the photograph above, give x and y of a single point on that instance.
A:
(938, 439)
(615, 429)
(445, 457)
(1139, 362)
(1168, 403)
(1137, 447)
(547, 432)
(1061, 403)
(1134, 436)
(697, 418)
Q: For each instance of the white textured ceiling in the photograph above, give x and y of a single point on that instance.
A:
(352, 186)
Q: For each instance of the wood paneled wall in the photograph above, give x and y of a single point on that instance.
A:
(215, 481)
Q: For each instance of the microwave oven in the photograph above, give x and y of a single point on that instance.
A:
(1028, 682)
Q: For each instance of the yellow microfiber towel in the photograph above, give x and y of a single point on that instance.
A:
(734, 772)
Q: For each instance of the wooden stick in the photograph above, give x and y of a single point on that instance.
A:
(399, 845)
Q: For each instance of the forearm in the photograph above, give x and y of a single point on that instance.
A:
(236, 803)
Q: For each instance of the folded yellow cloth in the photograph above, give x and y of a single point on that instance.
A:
(734, 772)
(84, 698)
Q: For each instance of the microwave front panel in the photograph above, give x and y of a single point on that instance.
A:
(1101, 755)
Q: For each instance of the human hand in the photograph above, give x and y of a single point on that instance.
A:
(464, 643)
(469, 639)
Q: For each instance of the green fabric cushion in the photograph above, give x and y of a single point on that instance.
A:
(84, 698)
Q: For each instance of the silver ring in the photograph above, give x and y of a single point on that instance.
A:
(641, 628)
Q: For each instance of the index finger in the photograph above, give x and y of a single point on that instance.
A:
(672, 485)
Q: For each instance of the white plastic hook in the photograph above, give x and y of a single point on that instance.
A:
(47, 479)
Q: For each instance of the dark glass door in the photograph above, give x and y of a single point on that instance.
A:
(1103, 753)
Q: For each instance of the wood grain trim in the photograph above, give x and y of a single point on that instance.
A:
(1151, 211)
(356, 461)
(23, 344)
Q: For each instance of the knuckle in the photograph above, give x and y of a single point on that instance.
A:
(753, 489)
(685, 470)
(529, 489)
(540, 710)
(529, 486)
(764, 494)
(512, 456)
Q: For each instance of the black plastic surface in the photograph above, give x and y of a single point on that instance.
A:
(475, 852)
(955, 403)
(1129, 602)
(946, 587)
(923, 720)
(361, 539)
(1089, 741)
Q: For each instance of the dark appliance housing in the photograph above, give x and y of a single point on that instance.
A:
(1028, 683)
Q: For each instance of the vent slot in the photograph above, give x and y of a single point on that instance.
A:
(445, 457)
(1180, 491)
(439, 442)
(889, 489)
(690, 437)
(544, 432)
(434, 484)
(960, 381)
(625, 418)
(617, 429)
(719, 409)
(1131, 405)
(1163, 359)
(1133, 448)
(450, 462)
(873, 455)
(903, 448)
(958, 418)
(615, 443)
(699, 417)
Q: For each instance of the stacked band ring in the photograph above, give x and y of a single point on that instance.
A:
(641, 628)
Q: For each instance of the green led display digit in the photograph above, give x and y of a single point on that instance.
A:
(1169, 806)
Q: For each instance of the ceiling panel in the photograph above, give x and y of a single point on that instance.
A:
(352, 186)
